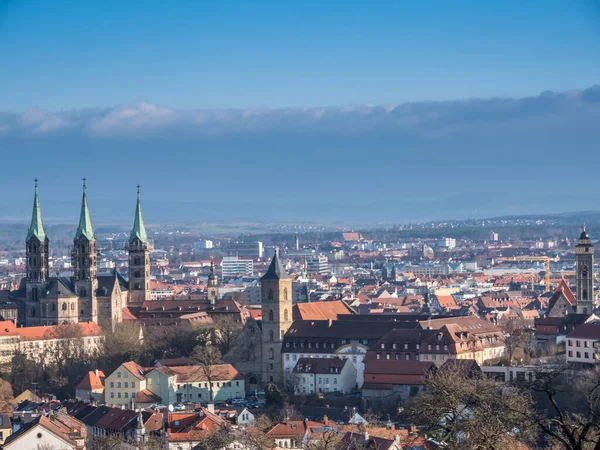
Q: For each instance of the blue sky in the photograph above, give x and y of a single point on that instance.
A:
(212, 54)
(461, 108)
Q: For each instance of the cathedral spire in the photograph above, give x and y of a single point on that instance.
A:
(85, 222)
(36, 228)
(139, 230)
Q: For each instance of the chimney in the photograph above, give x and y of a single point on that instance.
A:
(96, 372)
(326, 420)
(329, 322)
(211, 408)
(367, 438)
(397, 440)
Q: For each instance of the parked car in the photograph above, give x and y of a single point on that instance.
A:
(179, 407)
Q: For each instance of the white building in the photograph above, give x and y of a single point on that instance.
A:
(203, 244)
(314, 375)
(448, 243)
(251, 249)
(493, 236)
(317, 264)
(232, 266)
(582, 343)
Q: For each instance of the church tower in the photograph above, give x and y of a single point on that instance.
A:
(84, 264)
(37, 250)
(139, 259)
(213, 284)
(276, 299)
(584, 259)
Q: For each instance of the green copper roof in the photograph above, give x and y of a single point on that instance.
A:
(85, 223)
(139, 230)
(36, 228)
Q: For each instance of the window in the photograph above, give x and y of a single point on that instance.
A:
(126, 384)
(446, 347)
(126, 394)
(417, 357)
(429, 347)
(271, 315)
(586, 355)
(112, 384)
(119, 385)
(118, 374)
(418, 346)
(271, 354)
(285, 294)
(579, 354)
(570, 353)
(437, 346)
(578, 343)
(118, 395)
(382, 345)
(586, 344)
(407, 357)
(397, 356)
(378, 355)
(287, 357)
(387, 356)
(112, 394)
(270, 297)
(270, 335)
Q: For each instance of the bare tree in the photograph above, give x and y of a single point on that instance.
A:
(572, 403)
(255, 436)
(226, 331)
(209, 360)
(7, 401)
(473, 411)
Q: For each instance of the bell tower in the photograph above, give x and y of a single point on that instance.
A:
(139, 259)
(584, 259)
(276, 299)
(213, 284)
(84, 264)
(37, 252)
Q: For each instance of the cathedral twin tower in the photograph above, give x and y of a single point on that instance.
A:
(87, 296)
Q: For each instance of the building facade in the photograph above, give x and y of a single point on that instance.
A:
(232, 266)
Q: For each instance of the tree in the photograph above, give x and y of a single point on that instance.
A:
(572, 403)
(472, 411)
(7, 401)
(23, 372)
(209, 359)
(121, 344)
(255, 436)
(226, 331)
(273, 394)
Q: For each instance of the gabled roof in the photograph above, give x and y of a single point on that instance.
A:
(92, 381)
(565, 291)
(36, 228)
(57, 288)
(135, 369)
(275, 270)
(85, 222)
(586, 331)
(320, 310)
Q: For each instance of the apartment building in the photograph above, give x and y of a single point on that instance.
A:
(233, 266)
(323, 375)
(583, 344)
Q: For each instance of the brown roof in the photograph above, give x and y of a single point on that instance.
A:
(586, 331)
(320, 365)
(320, 310)
(146, 396)
(564, 290)
(135, 369)
(86, 329)
(194, 374)
(92, 381)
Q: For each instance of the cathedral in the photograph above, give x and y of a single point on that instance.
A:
(86, 296)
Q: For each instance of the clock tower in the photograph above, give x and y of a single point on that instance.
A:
(584, 257)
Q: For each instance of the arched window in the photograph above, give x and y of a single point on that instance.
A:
(270, 294)
(32, 312)
(136, 274)
(72, 306)
(82, 292)
(270, 335)
(271, 314)
(64, 306)
(53, 307)
(271, 354)
(584, 294)
(285, 315)
(285, 294)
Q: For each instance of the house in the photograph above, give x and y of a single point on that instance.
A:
(28, 395)
(294, 434)
(177, 384)
(443, 303)
(244, 418)
(388, 382)
(359, 441)
(65, 433)
(562, 302)
(5, 427)
(342, 338)
(126, 386)
(583, 345)
(187, 430)
(91, 387)
(316, 375)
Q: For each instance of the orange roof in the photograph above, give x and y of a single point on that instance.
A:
(192, 374)
(135, 369)
(127, 315)
(320, 310)
(92, 380)
(446, 301)
(8, 328)
(83, 329)
(256, 313)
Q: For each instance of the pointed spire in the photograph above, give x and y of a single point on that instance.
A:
(85, 222)
(212, 274)
(139, 230)
(275, 270)
(36, 228)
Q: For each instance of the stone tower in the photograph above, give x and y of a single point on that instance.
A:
(584, 258)
(37, 250)
(213, 284)
(84, 264)
(139, 259)
(276, 299)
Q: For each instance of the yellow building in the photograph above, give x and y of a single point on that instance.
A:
(126, 386)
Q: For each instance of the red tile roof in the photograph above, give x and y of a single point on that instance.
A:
(92, 381)
(84, 329)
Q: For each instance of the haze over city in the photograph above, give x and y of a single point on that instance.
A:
(270, 111)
